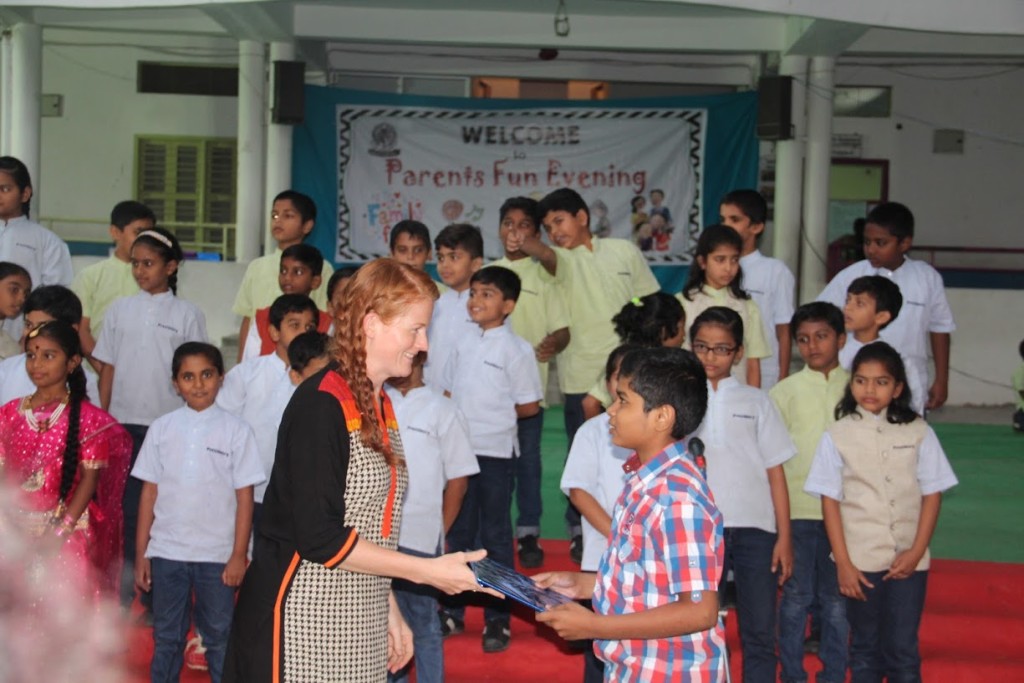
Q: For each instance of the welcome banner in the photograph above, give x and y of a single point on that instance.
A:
(651, 171)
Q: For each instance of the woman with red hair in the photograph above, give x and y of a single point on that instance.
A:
(315, 604)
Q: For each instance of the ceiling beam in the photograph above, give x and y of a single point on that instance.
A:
(993, 17)
(820, 37)
(10, 16)
(708, 34)
(265, 22)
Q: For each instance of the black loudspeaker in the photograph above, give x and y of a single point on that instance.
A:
(289, 92)
(775, 108)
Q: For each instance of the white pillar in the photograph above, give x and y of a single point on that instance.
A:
(5, 91)
(789, 165)
(250, 205)
(814, 246)
(279, 143)
(26, 96)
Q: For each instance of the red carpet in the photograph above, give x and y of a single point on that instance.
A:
(972, 631)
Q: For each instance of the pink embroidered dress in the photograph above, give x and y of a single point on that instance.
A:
(31, 458)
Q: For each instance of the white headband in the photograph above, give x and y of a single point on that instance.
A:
(158, 237)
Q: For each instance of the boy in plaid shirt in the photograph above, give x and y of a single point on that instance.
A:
(655, 592)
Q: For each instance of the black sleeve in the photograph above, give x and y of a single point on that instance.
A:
(310, 469)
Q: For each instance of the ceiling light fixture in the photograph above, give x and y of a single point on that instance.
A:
(561, 20)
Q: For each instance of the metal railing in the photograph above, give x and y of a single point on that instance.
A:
(206, 238)
(991, 259)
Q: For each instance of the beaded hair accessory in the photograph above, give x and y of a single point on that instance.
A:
(158, 237)
(637, 302)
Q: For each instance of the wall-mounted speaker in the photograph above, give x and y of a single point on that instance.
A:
(775, 108)
(289, 92)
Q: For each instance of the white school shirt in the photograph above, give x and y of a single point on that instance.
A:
(925, 308)
(770, 284)
(15, 382)
(595, 466)
(140, 334)
(488, 375)
(449, 322)
(39, 251)
(917, 382)
(878, 479)
(934, 473)
(197, 460)
(258, 391)
(36, 249)
(743, 436)
(435, 440)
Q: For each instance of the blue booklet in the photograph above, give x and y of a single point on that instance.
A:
(511, 583)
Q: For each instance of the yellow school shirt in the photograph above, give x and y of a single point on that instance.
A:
(540, 309)
(259, 285)
(99, 285)
(596, 283)
(755, 344)
(807, 402)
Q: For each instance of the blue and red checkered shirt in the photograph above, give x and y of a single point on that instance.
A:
(666, 542)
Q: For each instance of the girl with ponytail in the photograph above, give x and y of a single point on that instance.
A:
(68, 462)
(136, 348)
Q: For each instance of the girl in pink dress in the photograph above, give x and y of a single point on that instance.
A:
(67, 462)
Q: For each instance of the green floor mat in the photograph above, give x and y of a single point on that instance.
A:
(981, 519)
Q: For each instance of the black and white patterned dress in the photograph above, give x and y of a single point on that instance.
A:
(300, 618)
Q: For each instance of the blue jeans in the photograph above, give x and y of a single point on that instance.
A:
(174, 584)
(485, 519)
(574, 419)
(814, 578)
(419, 607)
(748, 553)
(528, 473)
(130, 509)
(883, 629)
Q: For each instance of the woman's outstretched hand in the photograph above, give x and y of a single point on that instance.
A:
(451, 573)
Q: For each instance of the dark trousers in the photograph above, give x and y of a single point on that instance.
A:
(485, 519)
(130, 508)
(748, 553)
(814, 579)
(174, 585)
(418, 603)
(883, 629)
(528, 475)
(573, 413)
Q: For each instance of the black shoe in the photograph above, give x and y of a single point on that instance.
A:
(576, 549)
(497, 634)
(531, 555)
(451, 625)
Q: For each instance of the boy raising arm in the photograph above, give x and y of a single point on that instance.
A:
(661, 623)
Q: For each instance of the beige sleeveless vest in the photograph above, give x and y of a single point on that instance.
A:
(881, 496)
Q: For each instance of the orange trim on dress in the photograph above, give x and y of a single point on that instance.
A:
(345, 548)
(335, 385)
(289, 574)
(389, 506)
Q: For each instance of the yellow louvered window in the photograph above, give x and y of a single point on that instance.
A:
(190, 185)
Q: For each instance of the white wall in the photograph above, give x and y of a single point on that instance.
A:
(88, 153)
(972, 199)
(989, 327)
